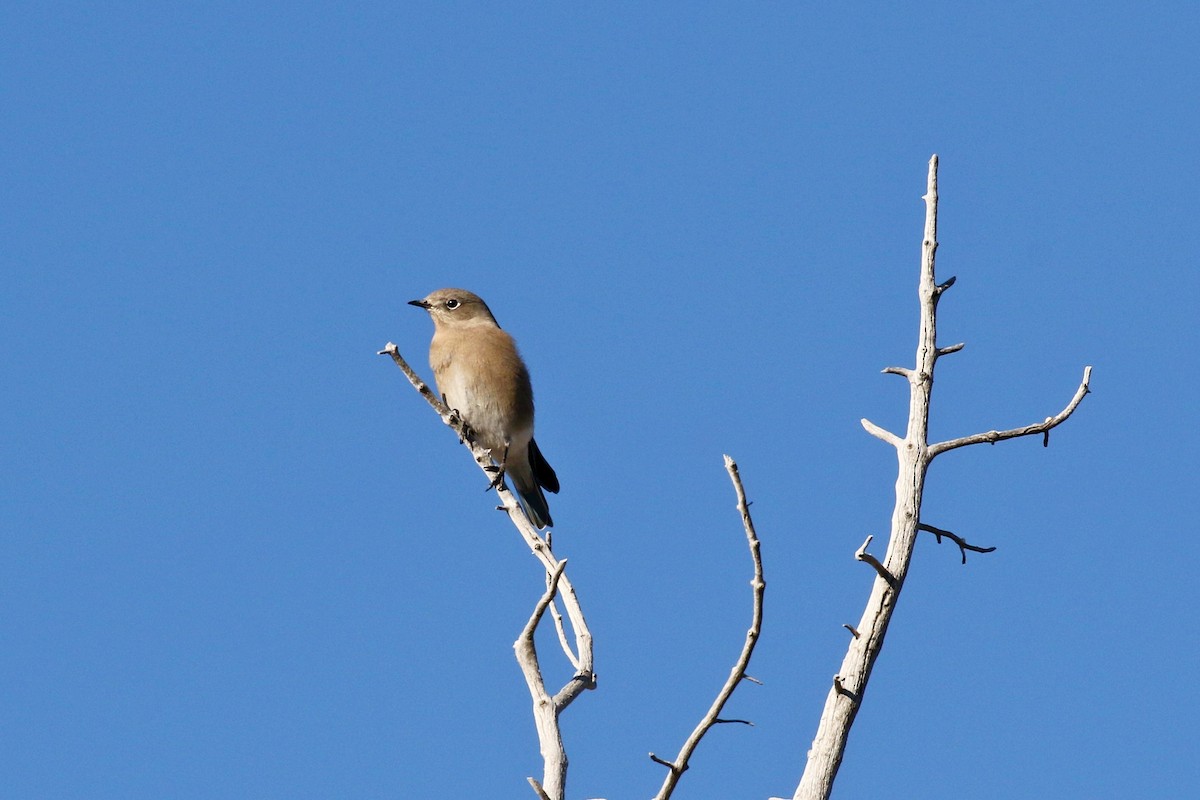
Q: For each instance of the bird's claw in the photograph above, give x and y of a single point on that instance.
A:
(496, 481)
(465, 432)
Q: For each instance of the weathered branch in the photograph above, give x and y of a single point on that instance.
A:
(881, 433)
(1044, 427)
(914, 455)
(758, 585)
(553, 784)
(958, 540)
(545, 710)
(537, 788)
(862, 555)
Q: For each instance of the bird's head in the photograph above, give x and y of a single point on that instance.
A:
(455, 307)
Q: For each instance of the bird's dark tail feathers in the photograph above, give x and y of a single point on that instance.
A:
(534, 503)
(530, 495)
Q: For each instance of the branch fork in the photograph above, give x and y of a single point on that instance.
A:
(546, 708)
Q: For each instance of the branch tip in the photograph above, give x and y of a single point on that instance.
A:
(880, 433)
(1044, 427)
(674, 769)
(537, 788)
(851, 628)
(963, 546)
(738, 673)
(862, 555)
(954, 348)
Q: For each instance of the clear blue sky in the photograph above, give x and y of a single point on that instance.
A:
(241, 557)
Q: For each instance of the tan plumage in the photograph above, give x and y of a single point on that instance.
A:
(480, 373)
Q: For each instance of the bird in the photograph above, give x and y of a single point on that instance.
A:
(480, 374)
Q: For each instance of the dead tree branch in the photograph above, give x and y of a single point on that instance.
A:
(679, 765)
(914, 454)
(963, 546)
(1044, 427)
(553, 783)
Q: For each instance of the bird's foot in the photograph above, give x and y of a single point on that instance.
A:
(465, 432)
(496, 481)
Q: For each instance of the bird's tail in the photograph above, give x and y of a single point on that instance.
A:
(534, 502)
(528, 480)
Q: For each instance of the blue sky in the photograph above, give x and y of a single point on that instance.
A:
(241, 558)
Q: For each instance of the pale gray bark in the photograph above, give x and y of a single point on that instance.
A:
(546, 708)
(758, 585)
(914, 454)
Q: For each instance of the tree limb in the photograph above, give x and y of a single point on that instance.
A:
(553, 784)
(1044, 427)
(914, 455)
(676, 768)
(958, 540)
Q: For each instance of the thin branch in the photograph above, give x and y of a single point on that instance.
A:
(862, 555)
(669, 765)
(563, 639)
(958, 540)
(880, 433)
(545, 711)
(991, 437)
(758, 585)
(543, 603)
(447, 414)
(537, 789)
(553, 784)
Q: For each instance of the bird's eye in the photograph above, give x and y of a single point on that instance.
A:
(451, 304)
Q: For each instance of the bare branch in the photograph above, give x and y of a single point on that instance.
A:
(738, 673)
(563, 639)
(954, 348)
(958, 540)
(448, 415)
(537, 788)
(862, 555)
(669, 765)
(1044, 427)
(880, 433)
(914, 455)
(903, 372)
(546, 709)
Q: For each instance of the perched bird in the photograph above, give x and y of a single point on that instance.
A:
(481, 375)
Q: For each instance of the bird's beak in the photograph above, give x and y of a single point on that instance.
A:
(425, 304)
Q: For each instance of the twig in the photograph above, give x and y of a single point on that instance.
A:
(881, 433)
(556, 615)
(958, 540)
(1044, 427)
(862, 555)
(537, 788)
(758, 585)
